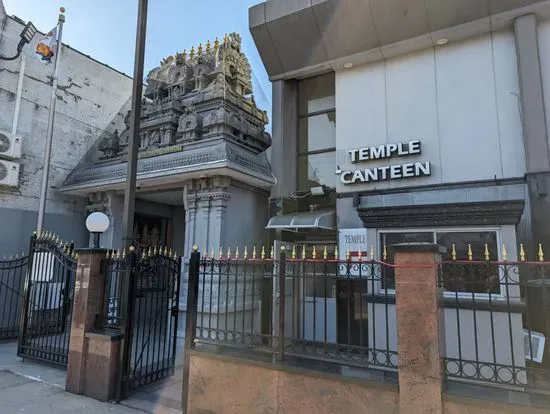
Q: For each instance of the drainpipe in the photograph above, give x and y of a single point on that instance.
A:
(18, 95)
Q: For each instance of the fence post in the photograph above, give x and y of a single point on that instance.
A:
(419, 328)
(282, 275)
(26, 292)
(190, 321)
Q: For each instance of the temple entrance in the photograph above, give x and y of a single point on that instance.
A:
(151, 231)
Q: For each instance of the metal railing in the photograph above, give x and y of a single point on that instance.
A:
(289, 307)
(496, 319)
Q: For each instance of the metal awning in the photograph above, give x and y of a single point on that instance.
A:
(325, 220)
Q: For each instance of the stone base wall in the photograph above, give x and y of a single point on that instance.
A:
(269, 388)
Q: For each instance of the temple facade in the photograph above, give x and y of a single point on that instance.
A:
(202, 156)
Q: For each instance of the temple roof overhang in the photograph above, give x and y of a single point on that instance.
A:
(220, 157)
(333, 33)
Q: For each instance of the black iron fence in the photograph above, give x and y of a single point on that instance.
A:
(12, 282)
(320, 308)
(497, 319)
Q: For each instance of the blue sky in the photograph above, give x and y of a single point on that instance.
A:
(105, 30)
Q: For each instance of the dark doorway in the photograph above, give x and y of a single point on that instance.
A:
(151, 231)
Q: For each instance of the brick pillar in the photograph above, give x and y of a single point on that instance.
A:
(93, 354)
(419, 327)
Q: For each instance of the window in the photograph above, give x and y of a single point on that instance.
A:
(316, 132)
(467, 279)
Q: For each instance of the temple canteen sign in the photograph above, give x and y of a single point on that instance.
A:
(387, 172)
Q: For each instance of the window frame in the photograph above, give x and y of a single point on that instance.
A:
(434, 230)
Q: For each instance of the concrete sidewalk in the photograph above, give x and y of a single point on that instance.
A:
(23, 395)
(29, 386)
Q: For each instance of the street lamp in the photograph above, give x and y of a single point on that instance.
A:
(97, 223)
(26, 36)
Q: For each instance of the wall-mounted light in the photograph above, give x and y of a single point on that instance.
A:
(442, 42)
(26, 36)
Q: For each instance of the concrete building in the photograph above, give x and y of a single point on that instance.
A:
(90, 97)
(416, 121)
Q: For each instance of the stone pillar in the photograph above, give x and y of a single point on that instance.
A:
(93, 356)
(537, 158)
(419, 328)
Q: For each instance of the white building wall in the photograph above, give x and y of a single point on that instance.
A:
(460, 101)
(90, 97)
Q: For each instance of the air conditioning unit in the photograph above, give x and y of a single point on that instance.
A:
(10, 145)
(9, 173)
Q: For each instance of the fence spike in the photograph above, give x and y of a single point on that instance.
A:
(237, 252)
(11, 256)
(325, 253)
(245, 254)
(541, 253)
(155, 251)
(521, 253)
(17, 255)
(263, 252)
(304, 252)
(23, 254)
(175, 255)
(372, 252)
(336, 252)
(220, 253)
(487, 257)
(504, 254)
(348, 254)
(314, 255)
(272, 254)
(150, 252)
(470, 254)
(359, 254)
(254, 253)
(212, 253)
(144, 254)
(453, 252)
(123, 253)
(118, 254)
(166, 250)
(385, 253)
(293, 252)
(229, 253)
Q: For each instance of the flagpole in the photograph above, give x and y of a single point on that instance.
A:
(49, 136)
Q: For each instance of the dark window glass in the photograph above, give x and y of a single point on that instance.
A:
(470, 277)
(316, 169)
(389, 239)
(316, 94)
(317, 132)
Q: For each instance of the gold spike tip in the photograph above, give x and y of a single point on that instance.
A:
(245, 254)
(263, 252)
(486, 252)
(304, 253)
(325, 253)
(521, 253)
(237, 253)
(348, 254)
(385, 253)
(359, 254)
(336, 252)
(216, 43)
(314, 253)
(229, 253)
(504, 254)
(372, 252)
(195, 248)
(254, 253)
(453, 252)
(212, 255)
(470, 254)
(272, 253)
(293, 255)
(208, 45)
(541, 253)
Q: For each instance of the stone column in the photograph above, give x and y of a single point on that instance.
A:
(93, 355)
(419, 328)
(537, 159)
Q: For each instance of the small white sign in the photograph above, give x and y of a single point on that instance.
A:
(352, 241)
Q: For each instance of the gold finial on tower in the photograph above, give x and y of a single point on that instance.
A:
(208, 45)
(199, 49)
(216, 43)
(225, 38)
(184, 55)
(192, 52)
(470, 254)
(541, 253)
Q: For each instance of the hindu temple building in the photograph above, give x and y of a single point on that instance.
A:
(203, 174)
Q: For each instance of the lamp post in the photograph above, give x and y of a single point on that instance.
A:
(135, 115)
(26, 36)
(97, 223)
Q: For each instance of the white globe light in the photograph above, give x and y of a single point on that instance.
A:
(97, 222)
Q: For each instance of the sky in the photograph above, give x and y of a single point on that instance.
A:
(106, 30)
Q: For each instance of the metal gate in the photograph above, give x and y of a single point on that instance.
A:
(48, 300)
(152, 304)
(12, 282)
